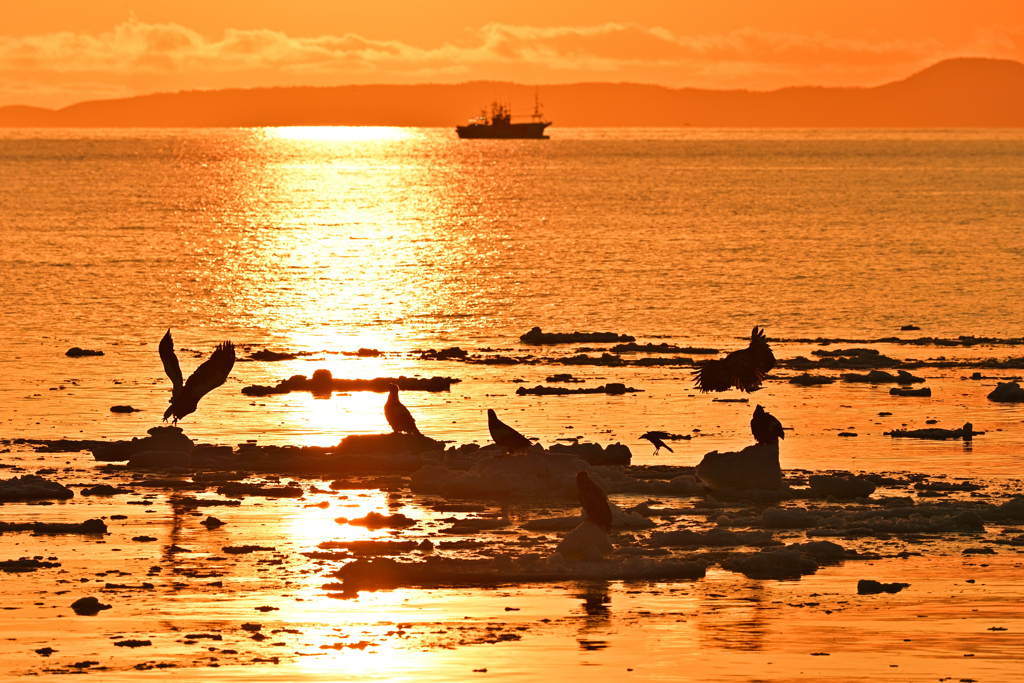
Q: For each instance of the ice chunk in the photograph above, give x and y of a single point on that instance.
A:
(755, 467)
(586, 542)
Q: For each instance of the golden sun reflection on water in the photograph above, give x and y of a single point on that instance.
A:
(334, 133)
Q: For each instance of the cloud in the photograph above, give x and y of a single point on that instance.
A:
(146, 55)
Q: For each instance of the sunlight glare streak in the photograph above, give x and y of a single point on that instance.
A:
(337, 133)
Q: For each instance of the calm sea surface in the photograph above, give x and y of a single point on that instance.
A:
(332, 239)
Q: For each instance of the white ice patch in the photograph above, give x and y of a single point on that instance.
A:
(586, 542)
(620, 520)
(536, 472)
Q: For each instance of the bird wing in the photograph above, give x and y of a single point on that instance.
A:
(744, 369)
(776, 428)
(214, 371)
(595, 503)
(170, 362)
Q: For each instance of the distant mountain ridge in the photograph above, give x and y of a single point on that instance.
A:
(963, 92)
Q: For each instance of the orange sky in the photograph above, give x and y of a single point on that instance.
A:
(57, 52)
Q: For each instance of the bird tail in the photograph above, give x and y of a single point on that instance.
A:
(668, 448)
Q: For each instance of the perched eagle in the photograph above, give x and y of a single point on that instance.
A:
(743, 369)
(765, 427)
(594, 502)
(506, 437)
(207, 377)
(398, 416)
(656, 439)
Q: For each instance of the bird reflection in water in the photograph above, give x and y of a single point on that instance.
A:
(596, 601)
(736, 619)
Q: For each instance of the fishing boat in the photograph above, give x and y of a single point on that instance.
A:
(498, 125)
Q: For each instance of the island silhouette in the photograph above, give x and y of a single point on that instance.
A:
(962, 92)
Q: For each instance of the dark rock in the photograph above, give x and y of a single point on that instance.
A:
(32, 487)
(25, 564)
(870, 587)
(104, 490)
(270, 356)
(75, 352)
(936, 433)
(168, 438)
(124, 409)
(89, 526)
(882, 377)
(246, 549)
(605, 359)
(375, 520)
(841, 487)
(88, 606)
(323, 382)
(594, 454)
(212, 523)
(536, 337)
(236, 489)
(808, 380)
(909, 328)
(564, 377)
(979, 551)
(611, 389)
(633, 347)
(845, 352)
(453, 353)
(394, 443)
(133, 643)
(1007, 392)
(754, 467)
(923, 391)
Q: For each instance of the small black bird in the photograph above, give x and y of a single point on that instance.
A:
(594, 502)
(765, 427)
(744, 369)
(506, 437)
(211, 374)
(656, 439)
(397, 415)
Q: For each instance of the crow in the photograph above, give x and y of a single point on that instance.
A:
(656, 439)
(594, 502)
(744, 369)
(765, 427)
(211, 374)
(398, 416)
(506, 437)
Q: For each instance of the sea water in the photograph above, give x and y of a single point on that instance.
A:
(327, 240)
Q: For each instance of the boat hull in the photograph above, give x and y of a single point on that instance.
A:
(517, 131)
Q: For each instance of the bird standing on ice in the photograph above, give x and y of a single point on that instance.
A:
(507, 438)
(765, 427)
(744, 369)
(398, 416)
(656, 439)
(211, 374)
(594, 502)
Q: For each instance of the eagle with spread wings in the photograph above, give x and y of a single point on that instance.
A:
(211, 374)
(744, 369)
